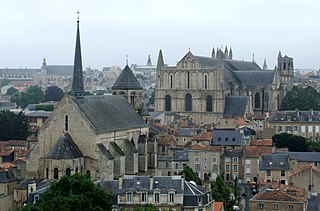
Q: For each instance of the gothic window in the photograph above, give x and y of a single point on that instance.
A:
(77, 169)
(68, 172)
(205, 82)
(257, 100)
(188, 80)
(168, 103)
(55, 173)
(209, 103)
(188, 102)
(47, 173)
(171, 82)
(66, 123)
(132, 99)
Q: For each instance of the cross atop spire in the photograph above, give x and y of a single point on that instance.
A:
(78, 12)
(77, 88)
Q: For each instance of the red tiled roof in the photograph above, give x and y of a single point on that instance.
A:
(205, 136)
(205, 147)
(241, 122)
(22, 143)
(217, 206)
(165, 140)
(7, 165)
(6, 152)
(264, 142)
(279, 195)
(308, 167)
(256, 151)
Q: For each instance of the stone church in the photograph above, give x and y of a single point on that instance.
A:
(209, 88)
(102, 136)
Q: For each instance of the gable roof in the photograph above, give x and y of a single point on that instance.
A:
(226, 137)
(235, 106)
(109, 113)
(64, 148)
(126, 80)
(255, 78)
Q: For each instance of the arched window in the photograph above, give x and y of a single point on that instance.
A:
(205, 82)
(188, 80)
(188, 102)
(171, 82)
(209, 103)
(66, 123)
(168, 103)
(77, 169)
(132, 100)
(55, 173)
(68, 172)
(257, 100)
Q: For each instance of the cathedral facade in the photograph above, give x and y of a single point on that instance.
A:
(198, 86)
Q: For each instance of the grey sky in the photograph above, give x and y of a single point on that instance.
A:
(110, 29)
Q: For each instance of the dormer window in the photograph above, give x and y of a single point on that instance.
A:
(171, 198)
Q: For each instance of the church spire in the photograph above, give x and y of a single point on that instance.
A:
(77, 89)
(160, 63)
(230, 54)
(213, 54)
(149, 61)
(264, 64)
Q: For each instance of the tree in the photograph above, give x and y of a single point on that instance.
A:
(11, 91)
(301, 98)
(33, 94)
(292, 142)
(151, 99)
(4, 82)
(76, 192)
(190, 175)
(13, 126)
(53, 93)
(221, 193)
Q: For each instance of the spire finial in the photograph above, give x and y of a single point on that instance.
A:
(126, 59)
(78, 12)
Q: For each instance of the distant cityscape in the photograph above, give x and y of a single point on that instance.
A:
(137, 130)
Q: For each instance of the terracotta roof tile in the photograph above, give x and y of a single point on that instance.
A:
(205, 147)
(6, 152)
(217, 206)
(256, 151)
(165, 140)
(7, 165)
(264, 142)
(205, 136)
(308, 167)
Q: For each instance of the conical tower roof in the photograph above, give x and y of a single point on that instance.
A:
(77, 88)
(65, 148)
(126, 80)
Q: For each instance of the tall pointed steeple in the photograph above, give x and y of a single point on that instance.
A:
(77, 88)
(160, 63)
(149, 61)
(226, 55)
(230, 54)
(213, 54)
(264, 64)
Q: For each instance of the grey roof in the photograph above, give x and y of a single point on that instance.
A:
(127, 80)
(295, 116)
(130, 145)
(104, 151)
(233, 153)
(7, 105)
(181, 155)
(185, 132)
(226, 137)
(6, 176)
(109, 113)
(195, 193)
(31, 107)
(37, 113)
(24, 184)
(117, 149)
(261, 78)
(19, 71)
(314, 202)
(59, 70)
(64, 148)
(274, 162)
(144, 111)
(303, 156)
(236, 65)
(235, 106)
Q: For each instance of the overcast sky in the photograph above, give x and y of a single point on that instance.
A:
(110, 29)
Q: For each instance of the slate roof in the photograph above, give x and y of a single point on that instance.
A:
(64, 148)
(7, 105)
(233, 153)
(295, 116)
(19, 71)
(126, 80)
(108, 113)
(37, 113)
(274, 162)
(24, 184)
(235, 106)
(255, 78)
(303, 156)
(226, 137)
(181, 155)
(59, 70)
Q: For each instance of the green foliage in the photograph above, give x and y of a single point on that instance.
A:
(44, 107)
(13, 126)
(221, 193)
(53, 93)
(4, 82)
(33, 94)
(302, 99)
(151, 99)
(236, 190)
(190, 175)
(76, 192)
(11, 91)
(313, 146)
(292, 142)
(146, 207)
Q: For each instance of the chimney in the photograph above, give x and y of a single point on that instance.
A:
(297, 111)
(182, 181)
(120, 182)
(151, 182)
(311, 111)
